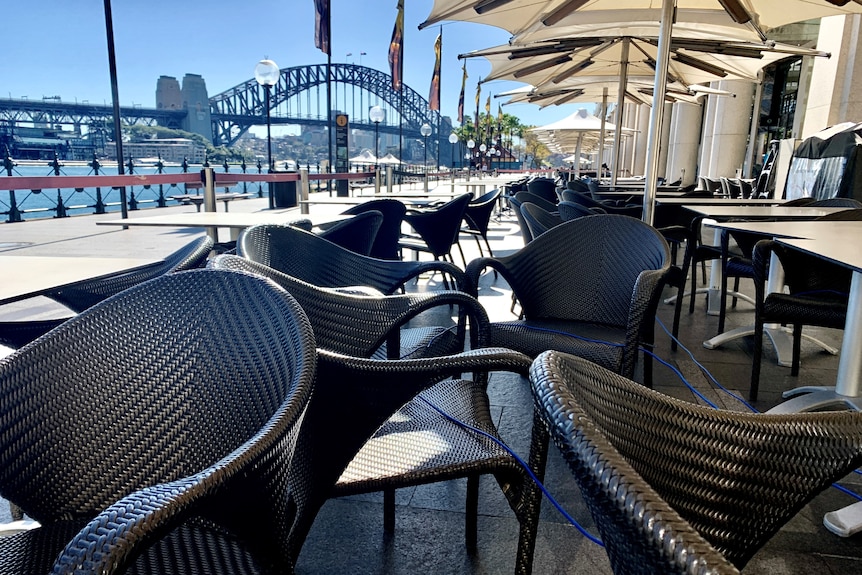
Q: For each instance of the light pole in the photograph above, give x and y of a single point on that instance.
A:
(425, 130)
(482, 149)
(267, 73)
(453, 139)
(470, 145)
(376, 115)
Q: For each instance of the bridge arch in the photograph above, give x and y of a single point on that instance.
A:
(235, 110)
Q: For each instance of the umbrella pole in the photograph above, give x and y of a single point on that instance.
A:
(578, 155)
(621, 98)
(657, 113)
(602, 135)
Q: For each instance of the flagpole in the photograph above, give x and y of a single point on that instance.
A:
(329, 95)
(115, 97)
(439, 94)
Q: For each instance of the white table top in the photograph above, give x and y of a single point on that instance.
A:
(776, 212)
(695, 201)
(224, 219)
(792, 228)
(35, 275)
(837, 245)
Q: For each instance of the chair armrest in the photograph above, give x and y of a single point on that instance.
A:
(474, 271)
(114, 538)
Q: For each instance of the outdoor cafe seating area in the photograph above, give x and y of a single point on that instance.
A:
(368, 386)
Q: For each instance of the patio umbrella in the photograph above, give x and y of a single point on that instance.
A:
(759, 15)
(698, 54)
(364, 157)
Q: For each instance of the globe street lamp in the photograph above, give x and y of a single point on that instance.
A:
(453, 139)
(267, 73)
(376, 115)
(482, 149)
(470, 145)
(425, 130)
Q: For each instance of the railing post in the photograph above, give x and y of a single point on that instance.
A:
(208, 179)
(61, 209)
(14, 213)
(376, 179)
(389, 178)
(303, 190)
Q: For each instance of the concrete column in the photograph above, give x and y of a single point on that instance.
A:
(704, 166)
(835, 95)
(665, 142)
(730, 131)
(642, 113)
(684, 142)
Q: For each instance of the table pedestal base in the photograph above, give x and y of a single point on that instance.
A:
(819, 399)
(781, 338)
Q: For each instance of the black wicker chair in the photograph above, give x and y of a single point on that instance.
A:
(818, 295)
(153, 430)
(595, 298)
(676, 487)
(522, 223)
(835, 203)
(437, 229)
(313, 259)
(538, 219)
(545, 188)
(477, 217)
(532, 198)
(571, 210)
(377, 330)
(356, 234)
(385, 245)
(86, 294)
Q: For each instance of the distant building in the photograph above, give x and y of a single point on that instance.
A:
(170, 150)
(168, 94)
(196, 101)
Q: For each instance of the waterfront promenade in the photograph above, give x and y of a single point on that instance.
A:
(348, 535)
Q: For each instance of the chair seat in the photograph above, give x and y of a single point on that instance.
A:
(824, 310)
(425, 342)
(436, 449)
(533, 337)
(201, 545)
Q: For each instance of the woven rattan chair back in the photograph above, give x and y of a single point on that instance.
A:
(544, 188)
(319, 262)
(438, 228)
(571, 211)
(83, 295)
(532, 198)
(385, 245)
(374, 320)
(736, 478)
(477, 217)
(538, 219)
(166, 385)
(597, 295)
(522, 223)
(835, 203)
(356, 234)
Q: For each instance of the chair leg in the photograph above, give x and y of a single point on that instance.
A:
(797, 349)
(389, 510)
(677, 312)
(757, 356)
(735, 290)
(471, 515)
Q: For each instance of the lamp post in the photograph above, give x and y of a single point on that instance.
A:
(425, 130)
(453, 139)
(482, 149)
(470, 145)
(376, 115)
(267, 73)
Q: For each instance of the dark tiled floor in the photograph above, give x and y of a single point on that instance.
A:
(348, 535)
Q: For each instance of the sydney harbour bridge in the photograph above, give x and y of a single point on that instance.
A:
(297, 99)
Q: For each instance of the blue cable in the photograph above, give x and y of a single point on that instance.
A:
(523, 464)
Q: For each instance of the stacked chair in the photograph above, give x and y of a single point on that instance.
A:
(477, 218)
(663, 478)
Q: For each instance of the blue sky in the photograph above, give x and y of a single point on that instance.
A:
(58, 47)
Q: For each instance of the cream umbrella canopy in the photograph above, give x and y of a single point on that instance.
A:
(759, 15)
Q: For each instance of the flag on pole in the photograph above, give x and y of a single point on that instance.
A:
(396, 48)
(478, 98)
(434, 96)
(499, 114)
(321, 26)
(461, 97)
(488, 105)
